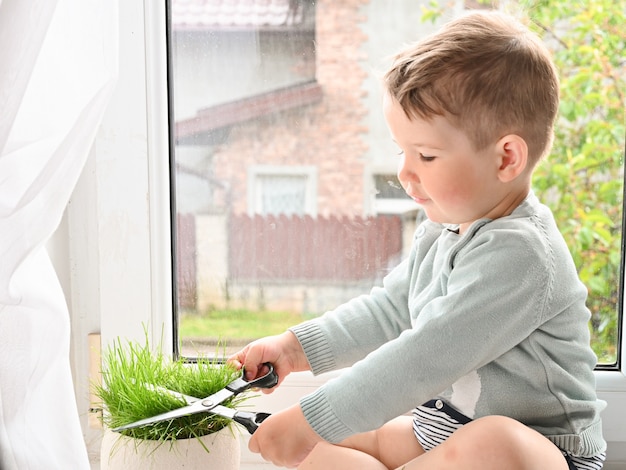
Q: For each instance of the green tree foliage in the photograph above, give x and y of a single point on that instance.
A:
(582, 178)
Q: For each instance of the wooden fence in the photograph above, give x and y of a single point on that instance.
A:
(186, 263)
(273, 248)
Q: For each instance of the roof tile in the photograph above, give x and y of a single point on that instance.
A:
(197, 14)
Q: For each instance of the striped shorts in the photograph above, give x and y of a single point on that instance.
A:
(435, 421)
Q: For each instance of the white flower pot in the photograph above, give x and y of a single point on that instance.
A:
(120, 452)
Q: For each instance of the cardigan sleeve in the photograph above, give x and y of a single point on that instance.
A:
(350, 332)
(495, 291)
(347, 334)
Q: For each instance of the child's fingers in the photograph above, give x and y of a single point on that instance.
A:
(253, 363)
(235, 362)
(237, 359)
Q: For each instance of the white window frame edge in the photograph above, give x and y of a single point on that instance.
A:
(159, 172)
(119, 241)
(132, 147)
(611, 386)
(309, 171)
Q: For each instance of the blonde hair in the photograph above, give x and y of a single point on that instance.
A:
(485, 72)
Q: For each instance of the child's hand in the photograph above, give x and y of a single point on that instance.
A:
(283, 351)
(285, 438)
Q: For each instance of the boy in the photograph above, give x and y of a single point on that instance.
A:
(484, 326)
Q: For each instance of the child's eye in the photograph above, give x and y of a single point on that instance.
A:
(426, 158)
(400, 152)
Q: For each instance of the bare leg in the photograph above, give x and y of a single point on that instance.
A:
(386, 448)
(492, 443)
(327, 456)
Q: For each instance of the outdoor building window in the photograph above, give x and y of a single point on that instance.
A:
(390, 197)
(280, 195)
(290, 191)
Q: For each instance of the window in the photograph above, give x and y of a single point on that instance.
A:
(281, 152)
(119, 238)
(288, 190)
(390, 198)
(269, 165)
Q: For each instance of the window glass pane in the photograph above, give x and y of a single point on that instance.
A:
(582, 180)
(388, 187)
(262, 90)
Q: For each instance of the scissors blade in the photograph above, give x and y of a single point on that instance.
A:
(196, 405)
(269, 380)
(193, 408)
(157, 388)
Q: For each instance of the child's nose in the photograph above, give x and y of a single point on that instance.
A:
(406, 172)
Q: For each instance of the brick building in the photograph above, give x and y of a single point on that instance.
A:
(277, 112)
(273, 94)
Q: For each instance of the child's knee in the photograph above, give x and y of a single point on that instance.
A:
(396, 442)
(393, 444)
(500, 437)
(493, 440)
(491, 429)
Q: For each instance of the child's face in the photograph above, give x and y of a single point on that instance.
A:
(441, 172)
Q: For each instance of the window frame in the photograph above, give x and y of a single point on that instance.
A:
(122, 277)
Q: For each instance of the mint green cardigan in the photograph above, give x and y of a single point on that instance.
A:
(492, 321)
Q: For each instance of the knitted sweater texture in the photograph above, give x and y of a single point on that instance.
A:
(492, 321)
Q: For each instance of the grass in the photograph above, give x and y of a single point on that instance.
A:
(237, 324)
(125, 398)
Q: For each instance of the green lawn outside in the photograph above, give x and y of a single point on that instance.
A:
(228, 325)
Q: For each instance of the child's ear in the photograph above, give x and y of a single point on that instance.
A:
(512, 157)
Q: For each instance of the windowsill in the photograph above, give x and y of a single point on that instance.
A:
(610, 381)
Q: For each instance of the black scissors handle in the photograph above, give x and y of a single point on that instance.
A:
(269, 380)
(250, 421)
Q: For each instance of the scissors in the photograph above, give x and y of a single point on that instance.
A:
(213, 403)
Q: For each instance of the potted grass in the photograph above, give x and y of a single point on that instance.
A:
(134, 377)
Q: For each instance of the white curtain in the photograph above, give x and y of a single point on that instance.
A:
(58, 64)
